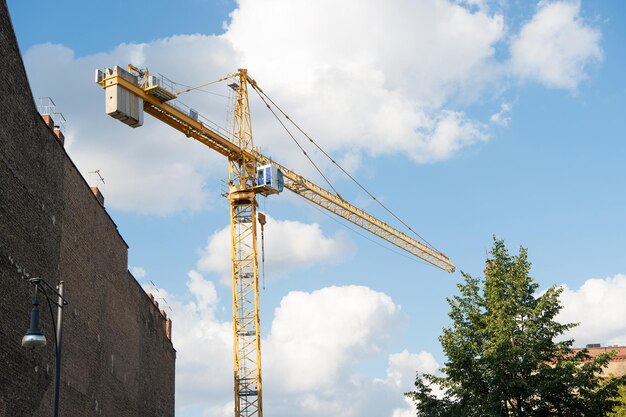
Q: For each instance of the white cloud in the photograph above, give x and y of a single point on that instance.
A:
(311, 354)
(396, 46)
(370, 75)
(598, 305)
(556, 46)
(408, 411)
(288, 244)
(203, 290)
(138, 272)
(401, 373)
(216, 256)
(225, 410)
(314, 336)
(404, 365)
(451, 132)
(503, 117)
(203, 344)
(315, 345)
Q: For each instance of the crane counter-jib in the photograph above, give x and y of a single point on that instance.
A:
(151, 101)
(117, 81)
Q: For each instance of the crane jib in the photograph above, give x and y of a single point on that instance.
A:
(174, 117)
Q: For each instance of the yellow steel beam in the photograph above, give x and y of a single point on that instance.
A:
(294, 182)
(177, 119)
(245, 271)
(342, 208)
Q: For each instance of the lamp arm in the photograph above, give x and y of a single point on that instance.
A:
(54, 323)
(37, 282)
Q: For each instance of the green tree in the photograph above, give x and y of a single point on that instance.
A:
(620, 409)
(502, 358)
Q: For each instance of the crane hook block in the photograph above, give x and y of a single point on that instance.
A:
(269, 180)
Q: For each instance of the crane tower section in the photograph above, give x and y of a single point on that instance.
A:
(124, 91)
(245, 271)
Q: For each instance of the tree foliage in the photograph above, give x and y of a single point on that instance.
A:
(502, 357)
(620, 409)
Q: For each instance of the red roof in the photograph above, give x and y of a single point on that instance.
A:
(620, 356)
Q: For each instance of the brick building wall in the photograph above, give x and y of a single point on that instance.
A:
(617, 364)
(118, 360)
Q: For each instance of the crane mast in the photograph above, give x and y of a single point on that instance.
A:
(130, 93)
(245, 272)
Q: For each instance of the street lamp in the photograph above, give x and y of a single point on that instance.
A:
(34, 337)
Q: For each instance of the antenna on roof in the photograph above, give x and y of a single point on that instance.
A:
(157, 291)
(97, 180)
(100, 177)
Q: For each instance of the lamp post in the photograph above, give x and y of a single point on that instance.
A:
(34, 337)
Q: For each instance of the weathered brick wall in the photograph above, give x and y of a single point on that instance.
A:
(117, 359)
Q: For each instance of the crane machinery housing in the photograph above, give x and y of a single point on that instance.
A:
(130, 93)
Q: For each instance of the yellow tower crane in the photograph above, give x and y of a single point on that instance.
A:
(131, 92)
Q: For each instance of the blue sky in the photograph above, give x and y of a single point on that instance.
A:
(468, 118)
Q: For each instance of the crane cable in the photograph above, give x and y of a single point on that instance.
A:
(298, 143)
(262, 221)
(262, 94)
(190, 88)
(203, 85)
(355, 231)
